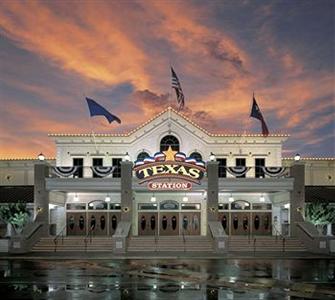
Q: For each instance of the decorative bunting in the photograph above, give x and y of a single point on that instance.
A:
(103, 171)
(238, 170)
(275, 171)
(65, 171)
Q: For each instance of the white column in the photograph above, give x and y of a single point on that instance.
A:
(329, 229)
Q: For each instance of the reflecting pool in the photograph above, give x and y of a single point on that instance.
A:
(168, 279)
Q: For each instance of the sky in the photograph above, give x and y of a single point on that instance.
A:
(53, 54)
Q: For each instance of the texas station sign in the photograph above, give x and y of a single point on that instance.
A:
(169, 170)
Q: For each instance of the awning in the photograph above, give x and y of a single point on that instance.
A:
(320, 193)
(17, 193)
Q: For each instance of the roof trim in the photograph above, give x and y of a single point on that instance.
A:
(154, 118)
(25, 158)
(310, 158)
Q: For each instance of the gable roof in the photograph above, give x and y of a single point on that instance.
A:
(167, 110)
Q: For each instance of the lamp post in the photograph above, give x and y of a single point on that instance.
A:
(41, 157)
(126, 157)
(297, 157)
(212, 157)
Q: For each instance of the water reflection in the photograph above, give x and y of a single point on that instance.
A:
(168, 279)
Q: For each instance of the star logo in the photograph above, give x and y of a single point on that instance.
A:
(169, 154)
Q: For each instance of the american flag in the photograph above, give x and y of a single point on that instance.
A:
(177, 87)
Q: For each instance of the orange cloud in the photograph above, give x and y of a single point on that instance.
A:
(110, 43)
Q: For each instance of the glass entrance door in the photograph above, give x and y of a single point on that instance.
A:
(169, 223)
(147, 223)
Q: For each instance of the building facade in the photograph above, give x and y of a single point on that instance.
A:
(190, 177)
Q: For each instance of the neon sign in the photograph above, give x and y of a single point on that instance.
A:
(169, 165)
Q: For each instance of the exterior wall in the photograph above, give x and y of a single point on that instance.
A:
(147, 138)
(317, 171)
(18, 171)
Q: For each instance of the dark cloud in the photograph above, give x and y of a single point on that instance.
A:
(217, 50)
(150, 98)
(201, 118)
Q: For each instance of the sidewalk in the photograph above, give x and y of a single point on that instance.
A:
(162, 255)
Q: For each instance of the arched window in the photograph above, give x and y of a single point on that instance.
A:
(196, 155)
(169, 140)
(142, 155)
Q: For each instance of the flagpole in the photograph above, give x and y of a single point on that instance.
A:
(169, 109)
(92, 132)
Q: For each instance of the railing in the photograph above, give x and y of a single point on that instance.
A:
(280, 236)
(156, 240)
(184, 241)
(29, 237)
(115, 172)
(85, 171)
(58, 236)
(88, 237)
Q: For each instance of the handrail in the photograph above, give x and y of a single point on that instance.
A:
(277, 232)
(306, 231)
(89, 236)
(249, 235)
(156, 240)
(255, 240)
(281, 236)
(184, 241)
(35, 227)
(60, 234)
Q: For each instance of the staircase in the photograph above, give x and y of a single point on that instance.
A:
(265, 244)
(170, 244)
(73, 244)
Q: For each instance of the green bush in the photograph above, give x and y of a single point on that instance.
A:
(319, 213)
(15, 214)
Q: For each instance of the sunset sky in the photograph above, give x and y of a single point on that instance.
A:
(54, 53)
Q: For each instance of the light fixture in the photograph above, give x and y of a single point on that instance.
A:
(52, 206)
(231, 198)
(91, 204)
(262, 198)
(75, 198)
(185, 199)
(108, 199)
(127, 157)
(153, 198)
(297, 157)
(246, 204)
(41, 157)
(212, 157)
(287, 205)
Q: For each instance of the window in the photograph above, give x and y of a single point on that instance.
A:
(240, 162)
(96, 162)
(142, 155)
(240, 205)
(222, 167)
(223, 206)
(97, 204)
(196, 155)
(115, 206)
(259, 163)
(76, 206)
(147, 206)
(78, 162)
(190, 206)
(117, 163)
(169, 140)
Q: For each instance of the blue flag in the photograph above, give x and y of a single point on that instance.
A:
(97, 110)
